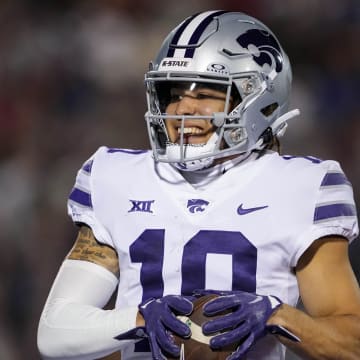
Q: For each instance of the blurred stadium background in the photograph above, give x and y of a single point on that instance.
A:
(72, 79)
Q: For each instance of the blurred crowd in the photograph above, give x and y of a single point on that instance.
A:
(71, 79)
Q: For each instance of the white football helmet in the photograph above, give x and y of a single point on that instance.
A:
(233, 52)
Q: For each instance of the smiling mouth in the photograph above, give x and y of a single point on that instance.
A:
(190, 131)
(192, 135)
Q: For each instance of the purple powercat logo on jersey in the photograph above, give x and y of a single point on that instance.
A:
(197, 205)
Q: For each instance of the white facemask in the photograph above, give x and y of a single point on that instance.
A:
(191, 151)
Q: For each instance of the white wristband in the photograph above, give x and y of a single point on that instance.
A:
(73, 324)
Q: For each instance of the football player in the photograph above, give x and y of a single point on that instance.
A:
(212, 208)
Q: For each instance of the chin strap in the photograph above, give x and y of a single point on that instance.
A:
(280, 124)
(278, 128)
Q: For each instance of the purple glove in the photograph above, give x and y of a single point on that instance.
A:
(245, 324)
(160, 316)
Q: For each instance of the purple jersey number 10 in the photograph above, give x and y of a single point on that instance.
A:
(148, 249)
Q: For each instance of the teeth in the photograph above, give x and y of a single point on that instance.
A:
(190, 130)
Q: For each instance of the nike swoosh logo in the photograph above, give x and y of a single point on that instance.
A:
(243, 211)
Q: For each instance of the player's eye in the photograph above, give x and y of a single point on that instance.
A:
(202, 96)
(209, 96)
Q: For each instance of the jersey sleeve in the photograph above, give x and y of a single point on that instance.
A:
(334, 209)
(80, 204)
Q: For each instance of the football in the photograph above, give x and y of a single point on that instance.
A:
(197, 346)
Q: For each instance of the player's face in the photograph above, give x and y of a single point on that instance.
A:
(193, 99)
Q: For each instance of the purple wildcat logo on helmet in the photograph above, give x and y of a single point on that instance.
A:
(268, 48)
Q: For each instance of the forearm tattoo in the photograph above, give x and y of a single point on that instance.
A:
(87, 248)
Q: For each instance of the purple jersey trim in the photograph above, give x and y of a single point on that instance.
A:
(81, 197)
(335, 179)
(310, 158)
(126, 151)
(87, 166)
(324, 212)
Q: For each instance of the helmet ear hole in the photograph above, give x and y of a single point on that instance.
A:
(269, 110)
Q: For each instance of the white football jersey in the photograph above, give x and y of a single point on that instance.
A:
(245, 230)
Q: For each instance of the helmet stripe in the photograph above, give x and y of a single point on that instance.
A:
(199, 31)
(177, 35)
(190, 32)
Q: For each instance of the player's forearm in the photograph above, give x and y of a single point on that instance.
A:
(333, 337)
(77, 331)
(73, 324)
